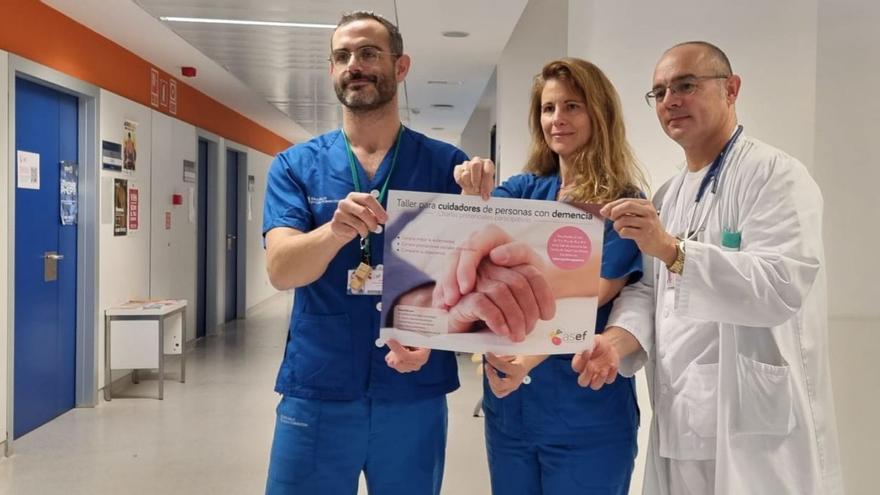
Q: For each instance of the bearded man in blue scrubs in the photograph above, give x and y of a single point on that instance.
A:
(348, 406)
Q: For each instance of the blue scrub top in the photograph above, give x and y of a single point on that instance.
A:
(553, 408)
(331, 352)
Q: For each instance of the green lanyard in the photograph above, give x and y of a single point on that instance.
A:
(365, 241)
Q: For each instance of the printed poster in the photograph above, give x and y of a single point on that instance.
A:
(120, 207)
(534, 266)
(69, 177)
(111, 156)
(133, 208)
(28, 170)
(129, 146)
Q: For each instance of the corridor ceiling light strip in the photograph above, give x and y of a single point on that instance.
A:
(248, 23)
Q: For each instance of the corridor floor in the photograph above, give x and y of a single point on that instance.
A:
(208, 436)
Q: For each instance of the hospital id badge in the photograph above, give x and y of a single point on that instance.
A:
(365, 280)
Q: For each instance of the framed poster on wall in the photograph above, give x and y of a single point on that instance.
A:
(120, 207)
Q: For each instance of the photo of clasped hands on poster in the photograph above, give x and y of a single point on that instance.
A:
(507, 276)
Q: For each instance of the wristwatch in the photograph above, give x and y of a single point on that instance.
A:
(677, 266)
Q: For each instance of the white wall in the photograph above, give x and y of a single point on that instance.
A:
(847, 154)
(258, 287)
(847, 158)
(173, 251)
(4, 227)
(771, 45)
(124, 264)
(539, 37)
(475, 138)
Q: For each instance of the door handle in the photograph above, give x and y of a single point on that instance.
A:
(50, 265)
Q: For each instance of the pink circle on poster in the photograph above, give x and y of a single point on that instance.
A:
(569, 248)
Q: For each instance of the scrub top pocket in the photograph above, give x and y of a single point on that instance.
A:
(322, 350)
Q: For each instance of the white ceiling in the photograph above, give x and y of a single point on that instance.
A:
(278, 76)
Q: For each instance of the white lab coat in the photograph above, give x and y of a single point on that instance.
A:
(775, 424)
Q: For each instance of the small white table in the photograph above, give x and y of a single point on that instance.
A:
(136, 333)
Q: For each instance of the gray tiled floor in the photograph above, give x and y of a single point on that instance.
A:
(210, 435)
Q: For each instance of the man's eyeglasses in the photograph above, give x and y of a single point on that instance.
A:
(367, 55)
(684, 86)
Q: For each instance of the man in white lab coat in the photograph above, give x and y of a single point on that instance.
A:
(732, 324)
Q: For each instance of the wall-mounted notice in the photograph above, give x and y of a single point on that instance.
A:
(172, 97)
(163, 94)
(120, 207)
(154, 87)
(133, 207)
(167, 220)
(67, 197)
(189, 171)
(129, 146)
(111, 156)
(28, 170)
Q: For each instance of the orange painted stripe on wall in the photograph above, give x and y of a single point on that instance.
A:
(37, 32)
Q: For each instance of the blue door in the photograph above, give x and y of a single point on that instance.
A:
(45, 305)
(231, 235)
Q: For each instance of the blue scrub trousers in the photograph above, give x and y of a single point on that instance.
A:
(521, 467)
(321, 446)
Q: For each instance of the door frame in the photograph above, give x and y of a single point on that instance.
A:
(212, 228)
(87, 279)
(241, 242)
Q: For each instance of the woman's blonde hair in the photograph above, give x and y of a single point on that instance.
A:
(605, 169)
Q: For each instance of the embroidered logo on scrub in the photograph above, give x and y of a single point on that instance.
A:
(287, 420)
(321, 200)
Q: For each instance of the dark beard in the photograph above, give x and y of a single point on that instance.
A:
(361, 103)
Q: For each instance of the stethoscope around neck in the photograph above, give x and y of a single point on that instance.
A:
(712, 177)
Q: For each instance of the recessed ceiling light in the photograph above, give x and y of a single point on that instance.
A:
(442, 106)
(240, 22)
(445, 82)
(455, 34)
(437, 128)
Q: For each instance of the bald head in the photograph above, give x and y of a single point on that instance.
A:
(710, 56)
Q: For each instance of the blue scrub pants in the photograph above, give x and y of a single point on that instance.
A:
(522, 467)
(321, 446)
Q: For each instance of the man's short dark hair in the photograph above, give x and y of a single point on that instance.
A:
(395, 40)
(718, 57)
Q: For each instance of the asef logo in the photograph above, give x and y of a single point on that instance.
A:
(554, 337)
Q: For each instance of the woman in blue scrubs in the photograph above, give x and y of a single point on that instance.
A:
(545, 434)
